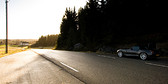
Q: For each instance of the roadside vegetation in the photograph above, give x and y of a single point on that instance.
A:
(15, 46)
(46, 42)
(107, 24)
(11, 50)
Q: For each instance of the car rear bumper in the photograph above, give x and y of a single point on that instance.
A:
(154, 55)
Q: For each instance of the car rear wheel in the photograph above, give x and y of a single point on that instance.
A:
(143, 56)
(120, 54)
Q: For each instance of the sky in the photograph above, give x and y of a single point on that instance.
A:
(30, 19)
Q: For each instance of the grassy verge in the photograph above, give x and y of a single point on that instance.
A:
(11, 50)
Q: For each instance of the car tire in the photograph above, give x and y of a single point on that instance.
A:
(143, 56)
(120, 54)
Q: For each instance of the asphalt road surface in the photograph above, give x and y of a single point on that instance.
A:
(80, 67)
(30, 68)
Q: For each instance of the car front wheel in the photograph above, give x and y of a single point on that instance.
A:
(143, 56)
(120, 54)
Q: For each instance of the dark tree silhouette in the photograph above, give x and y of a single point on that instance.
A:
(46, 41)
(112, 22)
(69, 31)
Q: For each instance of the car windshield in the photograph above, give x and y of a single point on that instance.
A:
(135, 48)
(143, 48)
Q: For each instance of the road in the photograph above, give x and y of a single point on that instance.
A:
(30, 68)
(79, 67)
(94, 68)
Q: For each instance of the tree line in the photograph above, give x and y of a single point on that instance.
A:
(46, 41)
(112, 22)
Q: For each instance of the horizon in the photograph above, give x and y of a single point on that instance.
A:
(19, 39)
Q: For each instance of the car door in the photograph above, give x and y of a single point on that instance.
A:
(133, 51)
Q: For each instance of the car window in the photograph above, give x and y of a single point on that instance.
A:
(135, 48)
(143, 48)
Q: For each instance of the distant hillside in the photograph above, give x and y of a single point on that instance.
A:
(17, 41)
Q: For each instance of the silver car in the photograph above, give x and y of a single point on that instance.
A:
(142, 52)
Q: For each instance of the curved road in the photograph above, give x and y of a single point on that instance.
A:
(43, 66)
(95, 68)
(30, 68)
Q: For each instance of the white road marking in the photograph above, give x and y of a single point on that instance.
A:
(156, 65)
(69, 67)
(107, 56)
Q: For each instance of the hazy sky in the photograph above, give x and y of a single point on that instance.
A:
(29, 19)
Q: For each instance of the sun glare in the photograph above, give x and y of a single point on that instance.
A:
(29, 19)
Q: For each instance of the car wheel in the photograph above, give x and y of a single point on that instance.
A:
(120, 54)
(143, 56)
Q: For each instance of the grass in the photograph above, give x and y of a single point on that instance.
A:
(11, 50)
